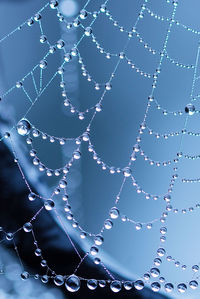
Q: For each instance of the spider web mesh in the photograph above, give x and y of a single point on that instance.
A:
(56, 68)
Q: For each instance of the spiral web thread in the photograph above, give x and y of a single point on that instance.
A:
(24, 127)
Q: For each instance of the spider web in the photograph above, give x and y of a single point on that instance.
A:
(42, 80)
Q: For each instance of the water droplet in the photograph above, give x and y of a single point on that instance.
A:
(98, 240)
(49, 204)
(169, 287)
(139, 284)
(128, 285)
(102, 283)
(116, 286)
(94, 250)
(161, 252)
(108, 86)
(77, 155)
(44, 279)
(114, 213)
(88, 31)
(155, 272)
(182, 288)
(53, 4)
(195, 268)
(60, 44)
(43, 39)
(23, 127)
(190, 109)
(25, 275)
(127, 172)
(72, 283)
(193, 284)
(108, 224)
(63, 184)
(83, 14)
(38, 252)
(27, 227)
(155, 286)
(43, 64)
(59, 280)
(92, 284)
(9, 236)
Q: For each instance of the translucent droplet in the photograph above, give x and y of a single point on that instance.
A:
(27, 227)
(155, 286)
(74, 52)
(167, 198)
(108, 86)
(193, 284)
(83, 14)
(163, 230)
(116, 286)
(102, 283)
(43, 39)
(139, 285)
(35, 133)
(92, 284)
(103, 8)
(138, 226)
(43, 263)
(59, 280)
(25, 275)
(60, 44)
(122, 55)
(72, 283)
(157, 262)
(190, 109)
(32, 196)
(53, 4)
(98, 107)
(97, 261)
(37, 17)
(63, 184)
(128, 285)
(49, 204)
(77, 155)
(114, 213)
(149, 225)
(19, 84)
(98, 240)
(30, 22)
(86, 136)
(43, 64)
(44, 279)
(67, 57)
(127, 172)
(9, 236)
(7, 135)
(161, 252)
(52, 49)
(169, 287)
(195, 268)
(88, 31)
(155, 272)
(97, 86)
(182, 288)
(38, 252)
(108, 224)
(83, 235)
(81, 116)
(23, 127)
(94, 250)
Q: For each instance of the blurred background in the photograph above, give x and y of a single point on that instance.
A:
(93, 191)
